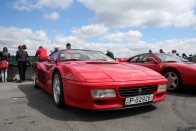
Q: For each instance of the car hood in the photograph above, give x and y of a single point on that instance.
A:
(113, 71)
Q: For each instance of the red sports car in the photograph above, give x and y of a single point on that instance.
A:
(91, 80)
(178, 71)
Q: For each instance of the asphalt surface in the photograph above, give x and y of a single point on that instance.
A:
(23, 108)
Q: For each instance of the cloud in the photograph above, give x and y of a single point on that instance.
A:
(123, 37)
(127, 13)
(63, 40)
(12, 37)
(39, 4)
(130, 48)
(90, 31)
(134, 48)
(134, 13)
(52, 16)
(39, 36)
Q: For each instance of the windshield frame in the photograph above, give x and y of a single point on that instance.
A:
(170, 58)
(83, 55)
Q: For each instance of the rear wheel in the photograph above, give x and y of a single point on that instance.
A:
(58, 90)
(174, 80)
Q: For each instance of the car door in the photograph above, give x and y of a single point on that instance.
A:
(49, 66)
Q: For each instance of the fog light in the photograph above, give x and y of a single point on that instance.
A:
(162, 88)
(103, 93)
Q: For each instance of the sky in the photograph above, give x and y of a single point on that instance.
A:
(125, 27)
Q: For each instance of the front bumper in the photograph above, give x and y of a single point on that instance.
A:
(78, 94)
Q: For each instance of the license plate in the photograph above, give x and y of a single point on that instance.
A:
(138, 99)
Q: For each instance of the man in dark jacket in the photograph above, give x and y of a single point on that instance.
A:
(110, 54)
(21, 57)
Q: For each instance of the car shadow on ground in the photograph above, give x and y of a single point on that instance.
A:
(184, 93)
(43, 102)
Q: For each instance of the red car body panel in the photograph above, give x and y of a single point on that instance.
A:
(80, 77)
(187, 70)
(81, 97)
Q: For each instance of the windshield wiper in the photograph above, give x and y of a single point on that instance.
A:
(171, 61)
(100, 60)
(72, 60)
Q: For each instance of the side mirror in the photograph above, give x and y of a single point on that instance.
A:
(151, 59)
(46, 58)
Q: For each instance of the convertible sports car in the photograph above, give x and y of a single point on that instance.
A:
(91, 80)
(178, 71)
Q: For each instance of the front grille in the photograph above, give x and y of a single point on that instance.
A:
(135, 91)
(41, 76)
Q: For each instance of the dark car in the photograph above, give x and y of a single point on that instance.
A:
(191, 58)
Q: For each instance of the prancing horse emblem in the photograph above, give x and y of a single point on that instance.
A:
(140, 90)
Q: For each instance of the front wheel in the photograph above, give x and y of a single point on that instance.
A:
(58, 90)
(174, 80)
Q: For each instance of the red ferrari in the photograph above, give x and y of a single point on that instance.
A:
(178, 71)
(91, 80)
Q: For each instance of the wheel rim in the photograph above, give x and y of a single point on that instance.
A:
(56, 88)
(172, 80)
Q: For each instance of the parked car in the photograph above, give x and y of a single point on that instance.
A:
(91, 80)
(191, 58)
(178, 71)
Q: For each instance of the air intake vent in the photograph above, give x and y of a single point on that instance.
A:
(41, 76)
(134, 91)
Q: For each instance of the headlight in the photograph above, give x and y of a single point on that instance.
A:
(103, 93)
(162, 88)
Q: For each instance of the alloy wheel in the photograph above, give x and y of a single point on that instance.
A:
(56, 89)
(173, 80)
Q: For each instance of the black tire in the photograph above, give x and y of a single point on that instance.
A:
(34, 81)
(58, 94)
(174, 80)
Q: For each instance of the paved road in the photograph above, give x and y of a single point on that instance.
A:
(23, 108)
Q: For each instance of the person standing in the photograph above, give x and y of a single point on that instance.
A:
(184, 55)
(41, 52)
(4, 56)
(110, 54)
(56, 49)
(161, 51)
(173, 52)
(24, 47)
(68, 46)
(21, 57)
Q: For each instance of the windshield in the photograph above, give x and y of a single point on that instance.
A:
(170, 58)
(77, 55)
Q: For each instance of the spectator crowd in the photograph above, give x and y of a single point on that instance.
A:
(174, 52)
